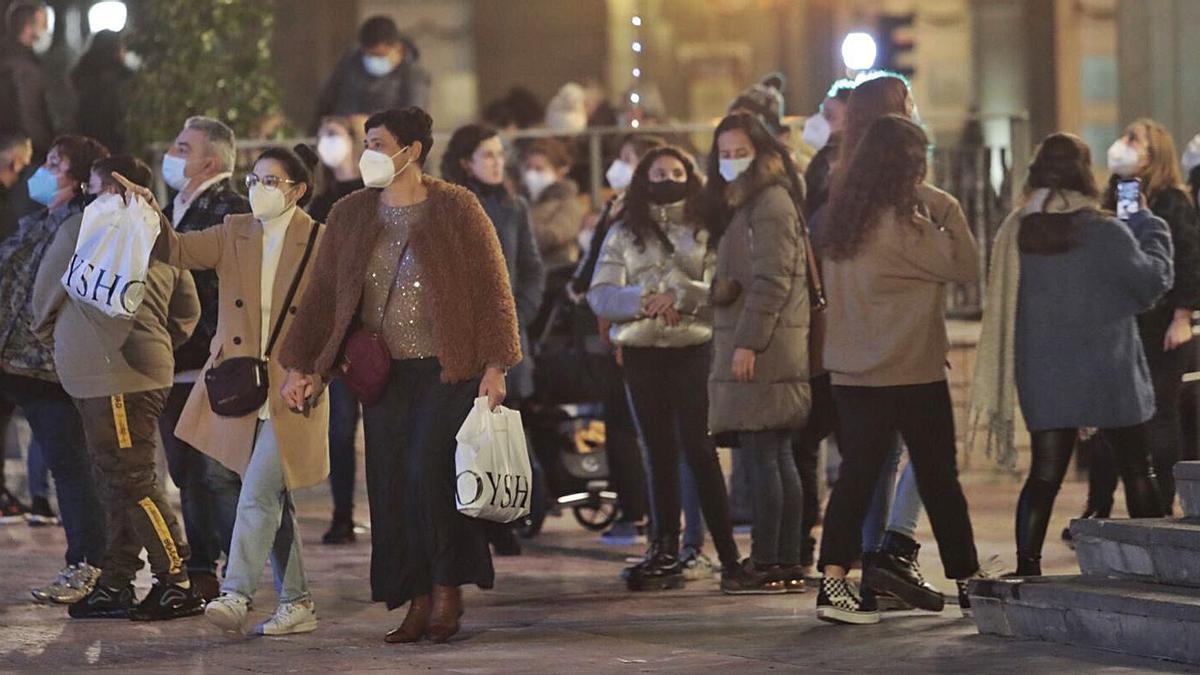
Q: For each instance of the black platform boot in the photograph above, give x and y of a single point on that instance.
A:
(894, 570)
(660, 570)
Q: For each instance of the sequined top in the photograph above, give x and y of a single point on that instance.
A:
(405, 319)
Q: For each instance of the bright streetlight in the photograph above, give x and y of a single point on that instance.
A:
(859, 51)
(108, 15)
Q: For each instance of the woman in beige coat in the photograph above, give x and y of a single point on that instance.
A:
(275, 449)
(758, 385)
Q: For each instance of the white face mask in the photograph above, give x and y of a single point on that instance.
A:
(732, 168)
(537, 182)
(816, 131)
(619, 175)
(266, 204)
(333, 150)
(1123, 158)
(43, 43)
(377, 66)
(173, 171)
(377, 169)
(1191, 156)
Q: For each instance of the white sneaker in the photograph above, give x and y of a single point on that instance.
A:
(290, 618)
(228, 612)
(73, 584)
(696, 565)
(838, 603)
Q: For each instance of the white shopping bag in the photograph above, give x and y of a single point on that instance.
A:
(108, 270)
(494, 477)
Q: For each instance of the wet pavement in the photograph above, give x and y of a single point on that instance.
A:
(560, 607)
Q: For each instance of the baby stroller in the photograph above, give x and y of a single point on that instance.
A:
(564, 420)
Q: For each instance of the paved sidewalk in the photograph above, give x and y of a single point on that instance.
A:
(558, 608)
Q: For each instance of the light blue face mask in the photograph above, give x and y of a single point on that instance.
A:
(43, 185)
(377, 66)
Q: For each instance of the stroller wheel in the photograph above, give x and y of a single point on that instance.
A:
(529, 526)
(596, 516)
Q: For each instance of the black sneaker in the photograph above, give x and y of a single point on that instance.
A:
(168, 601)
(838, 603)
(11, 508)
(340, 532)
(746, 579)
(40, 513)
(103, 602)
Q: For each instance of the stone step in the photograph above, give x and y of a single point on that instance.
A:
(1116, 615)
(1187, 484)
(1154, 550)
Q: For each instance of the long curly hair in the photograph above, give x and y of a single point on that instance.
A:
(637, 198)
(883, 174)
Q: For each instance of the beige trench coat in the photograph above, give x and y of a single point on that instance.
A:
(234, 250)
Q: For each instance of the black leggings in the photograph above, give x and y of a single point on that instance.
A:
(1164, 435)
(1051, 455)
(806, 445)
(668, 389)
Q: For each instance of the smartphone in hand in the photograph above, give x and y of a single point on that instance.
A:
(1129, 197)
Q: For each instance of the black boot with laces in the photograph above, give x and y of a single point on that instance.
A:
(660, 570)
(894, 571)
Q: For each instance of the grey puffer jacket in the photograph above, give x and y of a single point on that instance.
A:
(762, 251)
(626, 273)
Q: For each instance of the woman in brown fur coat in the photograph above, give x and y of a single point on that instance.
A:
(416, 261)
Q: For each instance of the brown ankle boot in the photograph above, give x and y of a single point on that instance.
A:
(412, 629)
(447, 610)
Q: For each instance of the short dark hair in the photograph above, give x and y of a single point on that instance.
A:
(554, 150)
(462, 145)
(20, 14)
(378, 30)
(82, 152)
(9, 141)
(128, 166)
(408, 125)
(297, 164)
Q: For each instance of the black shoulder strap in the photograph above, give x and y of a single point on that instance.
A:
(291, 294)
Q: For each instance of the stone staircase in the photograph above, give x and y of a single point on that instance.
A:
(1139, 591)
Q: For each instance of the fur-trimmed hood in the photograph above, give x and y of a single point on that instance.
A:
(762, 174)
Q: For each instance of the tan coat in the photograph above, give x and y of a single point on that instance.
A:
(234, 250)
(762, 251)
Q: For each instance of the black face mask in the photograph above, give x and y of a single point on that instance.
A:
(668, 192)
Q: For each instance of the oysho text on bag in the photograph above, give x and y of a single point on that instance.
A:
(494, 476)
(108, 270)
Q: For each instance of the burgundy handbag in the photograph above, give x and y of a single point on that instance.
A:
(366, 362)
(238, 386)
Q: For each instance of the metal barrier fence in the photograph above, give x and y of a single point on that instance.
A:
(982, 178)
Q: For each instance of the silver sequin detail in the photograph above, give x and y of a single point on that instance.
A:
(405, 320)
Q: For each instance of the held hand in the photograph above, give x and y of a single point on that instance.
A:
(132, 188)
(671, 317)
(1179, 333)
(743, 364)
(492, 386)
(656, 304)
(297, 389)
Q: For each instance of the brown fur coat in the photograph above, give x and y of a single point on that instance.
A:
(474, 319)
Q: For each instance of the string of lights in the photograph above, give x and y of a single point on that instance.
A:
(635, 97)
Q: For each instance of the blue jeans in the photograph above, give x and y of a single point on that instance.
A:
(894, 506)
(208, 492)
(266, 528)
(693, 517)
(343, 423)
(36, 471)
(778, 504)
(58, 431)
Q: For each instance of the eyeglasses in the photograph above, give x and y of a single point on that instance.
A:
(269, 182)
